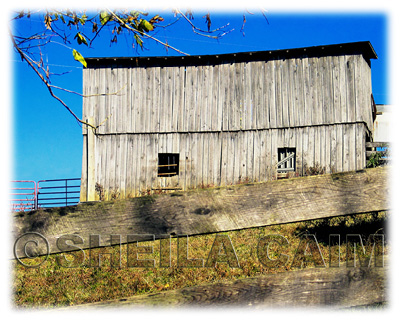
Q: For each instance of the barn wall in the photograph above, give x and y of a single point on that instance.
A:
(126, 164)
(229, 96)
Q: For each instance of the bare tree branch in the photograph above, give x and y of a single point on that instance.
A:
(46, 82)
(145, 34)
(200, 31)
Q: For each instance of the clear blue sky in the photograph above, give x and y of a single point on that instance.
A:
(47, 141)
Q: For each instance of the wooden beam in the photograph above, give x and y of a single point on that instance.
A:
(323, 287)
(213, 210)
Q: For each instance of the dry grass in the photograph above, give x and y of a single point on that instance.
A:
(51, 285)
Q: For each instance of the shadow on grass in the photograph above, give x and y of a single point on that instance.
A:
(362, 224)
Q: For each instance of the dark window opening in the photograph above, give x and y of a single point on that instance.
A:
(286, 160)
(168, 164)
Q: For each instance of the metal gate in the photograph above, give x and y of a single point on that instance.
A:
(58, 192)
(23, 195)
(29, 195)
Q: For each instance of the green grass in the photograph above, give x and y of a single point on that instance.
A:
(51, 285)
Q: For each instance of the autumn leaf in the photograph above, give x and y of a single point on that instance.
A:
(146, 25)
(47, 21)
(79, 57)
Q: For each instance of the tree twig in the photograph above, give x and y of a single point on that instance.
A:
(90, 95)
(145, 34)
(49, 87)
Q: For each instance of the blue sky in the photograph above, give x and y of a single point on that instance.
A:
(47, 141)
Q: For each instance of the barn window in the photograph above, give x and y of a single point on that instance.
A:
(168, 164)
(286, 160)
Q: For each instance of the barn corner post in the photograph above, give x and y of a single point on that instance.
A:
(88, 179)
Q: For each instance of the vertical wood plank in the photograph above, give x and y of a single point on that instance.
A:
(236, 162)
(104, 110)
(204, 159)
(216, 110)
(188, 161)
(225, 92)
(274, 153)
(203, 83)
(336, 114)
(189, 103)
(292, 99)
(250, 156)
(135, 99)
(123, 125)
(148, 107)
(256, 155)
(270, 80)
(327, 147)
(308, 110)
(84, 176)
(358, 145)
(346, 146)
(323, 147)
(118, 165)
(343, 89)
(317, 145)
(177, 101)
(285, 92)
(143, 164)
(314, 90)
(278, 93)
(258, 93)
(237, 112)
(113, 99)
(91, 161)
(128, 100)
(171, 121)
(351, 103)
(333, 145)
(163, 100)
(247, 103)
(299, 103)
(327, 110)
(128, 169)
(292, 144)
(352, 147)
(299, 150)
(339, 148)
(123, 160)
(137, 163)
(268, 155)
(224, 157)
(199, 95)
(358, 88)
(368, 87)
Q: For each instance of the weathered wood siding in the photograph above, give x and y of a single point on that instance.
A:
(229, 96)
(126, 164)
(225, 120)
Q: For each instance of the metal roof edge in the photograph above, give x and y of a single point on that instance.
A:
(362, 47)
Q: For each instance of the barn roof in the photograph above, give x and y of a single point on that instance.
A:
(363, 47)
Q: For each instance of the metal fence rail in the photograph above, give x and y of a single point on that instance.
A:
(58, 192)
(23, 195)
(30, 195)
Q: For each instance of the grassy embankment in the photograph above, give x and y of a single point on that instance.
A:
(51, 285)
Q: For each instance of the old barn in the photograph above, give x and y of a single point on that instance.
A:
(170, 123)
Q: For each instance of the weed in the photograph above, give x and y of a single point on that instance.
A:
(51, 285)
(100, 191)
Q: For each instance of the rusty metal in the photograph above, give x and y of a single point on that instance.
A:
(23, 197)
